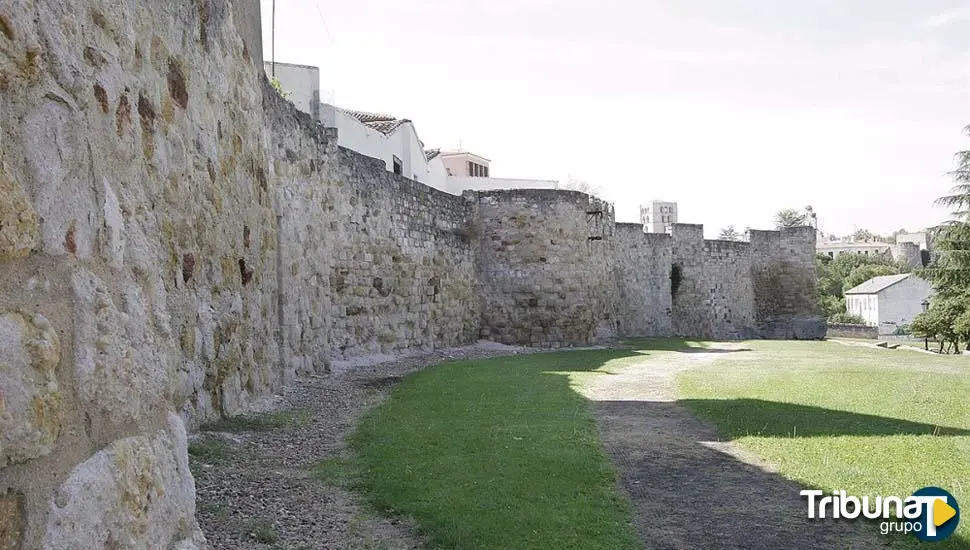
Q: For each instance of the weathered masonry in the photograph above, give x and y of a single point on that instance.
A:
(177, 242)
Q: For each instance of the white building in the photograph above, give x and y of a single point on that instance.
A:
(833, 249)
(658, 216)
(380, 136)
(300, 82)
(394, 140)
(889, 301)
(461, 170)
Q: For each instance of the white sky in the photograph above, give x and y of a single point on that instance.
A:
(733, 108)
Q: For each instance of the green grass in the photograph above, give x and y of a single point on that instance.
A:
(266, 422)
(336, 471)
(210, 451)
(262, 531)
(498, 453)
(830, 416)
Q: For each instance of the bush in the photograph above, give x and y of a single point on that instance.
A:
(847, 318)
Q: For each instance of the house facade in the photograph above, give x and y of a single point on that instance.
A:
(889, 301)
(394, 140)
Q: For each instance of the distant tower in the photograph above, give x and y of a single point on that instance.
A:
(658, 216)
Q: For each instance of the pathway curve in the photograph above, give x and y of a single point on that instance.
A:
(688, 486)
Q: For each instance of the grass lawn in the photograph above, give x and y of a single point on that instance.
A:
(872, 422)
(496, 453)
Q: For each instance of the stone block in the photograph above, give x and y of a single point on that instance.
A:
(12, 521)
(136, 493)
(30, 404)
(19, 226)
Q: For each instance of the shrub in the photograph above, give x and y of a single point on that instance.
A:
(847, 318)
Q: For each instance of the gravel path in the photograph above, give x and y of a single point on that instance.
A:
(691, 489)
(254, 488)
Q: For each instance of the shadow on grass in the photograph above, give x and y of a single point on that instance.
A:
(691, 489)
(756, 417)
(683, 346)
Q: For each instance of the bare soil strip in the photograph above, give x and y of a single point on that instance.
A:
(257, 491)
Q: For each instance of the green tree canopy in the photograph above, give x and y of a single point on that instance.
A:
(865, 272)
(950, 270)
(790, 217)
(729, 233)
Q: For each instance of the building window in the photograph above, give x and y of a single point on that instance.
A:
(476, 170)
(398, 166)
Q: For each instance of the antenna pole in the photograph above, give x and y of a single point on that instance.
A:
(273, 42)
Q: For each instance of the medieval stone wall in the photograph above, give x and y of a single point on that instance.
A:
(783, 276)
(137, 263)
(545, 258)
(642, 269)
(714, 295)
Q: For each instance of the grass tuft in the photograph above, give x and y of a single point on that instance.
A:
(262, 531)
(267, 422)
(210, 451)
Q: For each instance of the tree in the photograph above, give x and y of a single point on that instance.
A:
(583, 186)
(946, 321)
(948, 317)
(790, 217)
(865, 272)
(729, 233)
(864, 235)
(811, 217)
(950, 270)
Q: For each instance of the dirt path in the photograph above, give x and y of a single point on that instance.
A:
(690, 488)
(254, 485)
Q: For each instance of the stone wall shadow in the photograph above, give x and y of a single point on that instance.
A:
(689, 488)
(756, 417)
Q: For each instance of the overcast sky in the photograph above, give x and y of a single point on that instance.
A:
(732, 108)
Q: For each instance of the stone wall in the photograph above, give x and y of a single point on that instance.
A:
(845, 330)
(545, 265)
(177, 243)
(714, 294)
(907, 253)
(138, 266)
(783, 276)
(641, 263)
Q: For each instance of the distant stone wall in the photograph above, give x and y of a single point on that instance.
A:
(545, 266)
(907, 253)
(783, 277)
(641, 264)
(404, 269)
(843, 330)
(714, 295)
